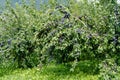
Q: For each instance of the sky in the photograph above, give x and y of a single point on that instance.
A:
(2, 2)
(118, 1)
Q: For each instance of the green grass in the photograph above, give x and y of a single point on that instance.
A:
(53, 72)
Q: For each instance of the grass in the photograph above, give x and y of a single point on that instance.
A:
(52, 72)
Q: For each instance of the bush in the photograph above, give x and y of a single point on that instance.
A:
(63, 33)
(66, 37)
(19, 26)
(109, 70)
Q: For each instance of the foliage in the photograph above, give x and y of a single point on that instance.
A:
(109, 70)
(60, 33)
(18, 31)
(68, 36)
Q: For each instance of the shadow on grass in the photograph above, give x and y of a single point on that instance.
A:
(5, 71)
(6, 68)
(86, 67)
(57, 71)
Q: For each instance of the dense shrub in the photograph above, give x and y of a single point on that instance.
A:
(67, 36)
(60, 33)
(19, 26)
(109, 70)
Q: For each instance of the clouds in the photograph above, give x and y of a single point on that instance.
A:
(118, 1)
